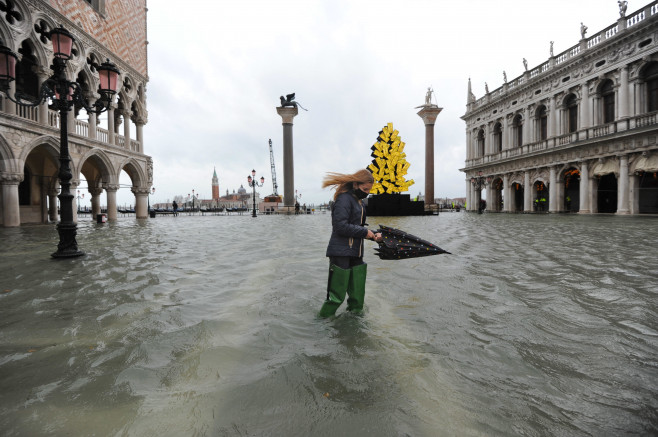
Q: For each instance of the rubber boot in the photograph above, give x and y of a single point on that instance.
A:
(356, 289)
(336, 289)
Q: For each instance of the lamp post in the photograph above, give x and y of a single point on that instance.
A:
(148, 198)
(192, 200)
(253, 184)
(64, 94)
(478, 183)
(80, 197)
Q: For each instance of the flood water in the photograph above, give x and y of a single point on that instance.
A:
(536, 325)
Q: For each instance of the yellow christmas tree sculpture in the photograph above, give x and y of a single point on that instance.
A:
(389, 165)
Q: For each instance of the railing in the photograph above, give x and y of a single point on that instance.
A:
(81, 127)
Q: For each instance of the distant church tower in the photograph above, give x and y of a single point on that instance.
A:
(215, 186)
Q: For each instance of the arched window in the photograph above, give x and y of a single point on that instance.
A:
(498, 137)
(608, 101)
(651, 81)
(571, 104)
(27, 82)
(517, 126)
(542, 123)
(480, 143)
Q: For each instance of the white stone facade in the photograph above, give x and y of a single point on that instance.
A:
(575, 134)
(30, 137)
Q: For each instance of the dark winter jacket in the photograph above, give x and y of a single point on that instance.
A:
(348, 217)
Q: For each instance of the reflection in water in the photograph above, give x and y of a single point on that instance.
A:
(536, 325)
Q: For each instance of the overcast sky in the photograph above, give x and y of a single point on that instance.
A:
(217, 69)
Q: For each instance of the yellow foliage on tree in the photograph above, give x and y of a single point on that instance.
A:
(389, 165)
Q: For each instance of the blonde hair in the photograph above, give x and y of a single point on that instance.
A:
(345, 182)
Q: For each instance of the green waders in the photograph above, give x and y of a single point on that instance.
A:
(350, 281)
(356, 289)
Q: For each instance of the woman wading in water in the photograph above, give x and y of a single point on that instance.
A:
(347, 271)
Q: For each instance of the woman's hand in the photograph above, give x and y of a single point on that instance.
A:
(371, 235)
(378, 237)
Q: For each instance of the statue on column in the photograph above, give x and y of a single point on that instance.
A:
(552, 48)
(428, 96)
(290, 101)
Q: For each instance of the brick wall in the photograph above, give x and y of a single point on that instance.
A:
(122, 29)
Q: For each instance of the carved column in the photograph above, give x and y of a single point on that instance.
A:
(93, 120)
(11, 215)
(74, 202)
(623, 93)
(469, 143)
(141, 201)
(504, 134)
(126, 127)
(526, 126)
(111, 190)
(623, 184)
(584, 188)
(10, 107)
(552, 117)
(469, 188)
(585, 116)
(429, 114)
(139, 131)
(287, 114)
(527, 192)
(110, 123)
(552, 190)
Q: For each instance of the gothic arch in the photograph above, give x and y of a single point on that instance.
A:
(134, 170)
(99, 167)
(50, 142)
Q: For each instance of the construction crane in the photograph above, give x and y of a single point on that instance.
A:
(273, 171)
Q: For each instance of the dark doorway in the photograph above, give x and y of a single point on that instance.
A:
(648, 193)
(541, 201)
(572, 190)
(607, 194)
(517, 192)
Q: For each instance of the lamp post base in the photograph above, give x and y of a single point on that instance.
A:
(68, 246)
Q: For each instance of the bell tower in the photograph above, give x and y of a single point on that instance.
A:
(215, 185)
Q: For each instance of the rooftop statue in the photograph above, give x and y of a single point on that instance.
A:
(552, 48)
(583, 30)
(623, 4)
(525, 64)
(290, 101)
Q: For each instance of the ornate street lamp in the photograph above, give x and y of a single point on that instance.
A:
(149, 199)
(478, 183)
(253, 184)
(80, 197)
(64, 94)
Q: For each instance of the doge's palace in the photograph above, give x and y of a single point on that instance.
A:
(100, 147)
(576, 133)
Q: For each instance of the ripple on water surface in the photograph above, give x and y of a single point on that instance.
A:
(535, 325)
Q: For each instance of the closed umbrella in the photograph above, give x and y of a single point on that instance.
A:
(397, 244)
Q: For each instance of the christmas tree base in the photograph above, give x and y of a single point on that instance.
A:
(394, 205)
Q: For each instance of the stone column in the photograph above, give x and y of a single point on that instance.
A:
(623, 184)
(506, 193)
(43, 75)
(74, 202)
(93, 119)
(623, 94)
(287, 113)
(10, 107)
(429, 114)
(585, 116)
(504, 134)
(634, 194)
(11, 215)
(552, 190)
(71, 121)
(110, 123)
(469, 145)
(111, 201)
(95, 202)
(527, 192)
(52, 205)
(139, 132)
(584, 188)
(469, 187)
(526, 126)
(126, 127)
(552, 117)
(141, 201)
